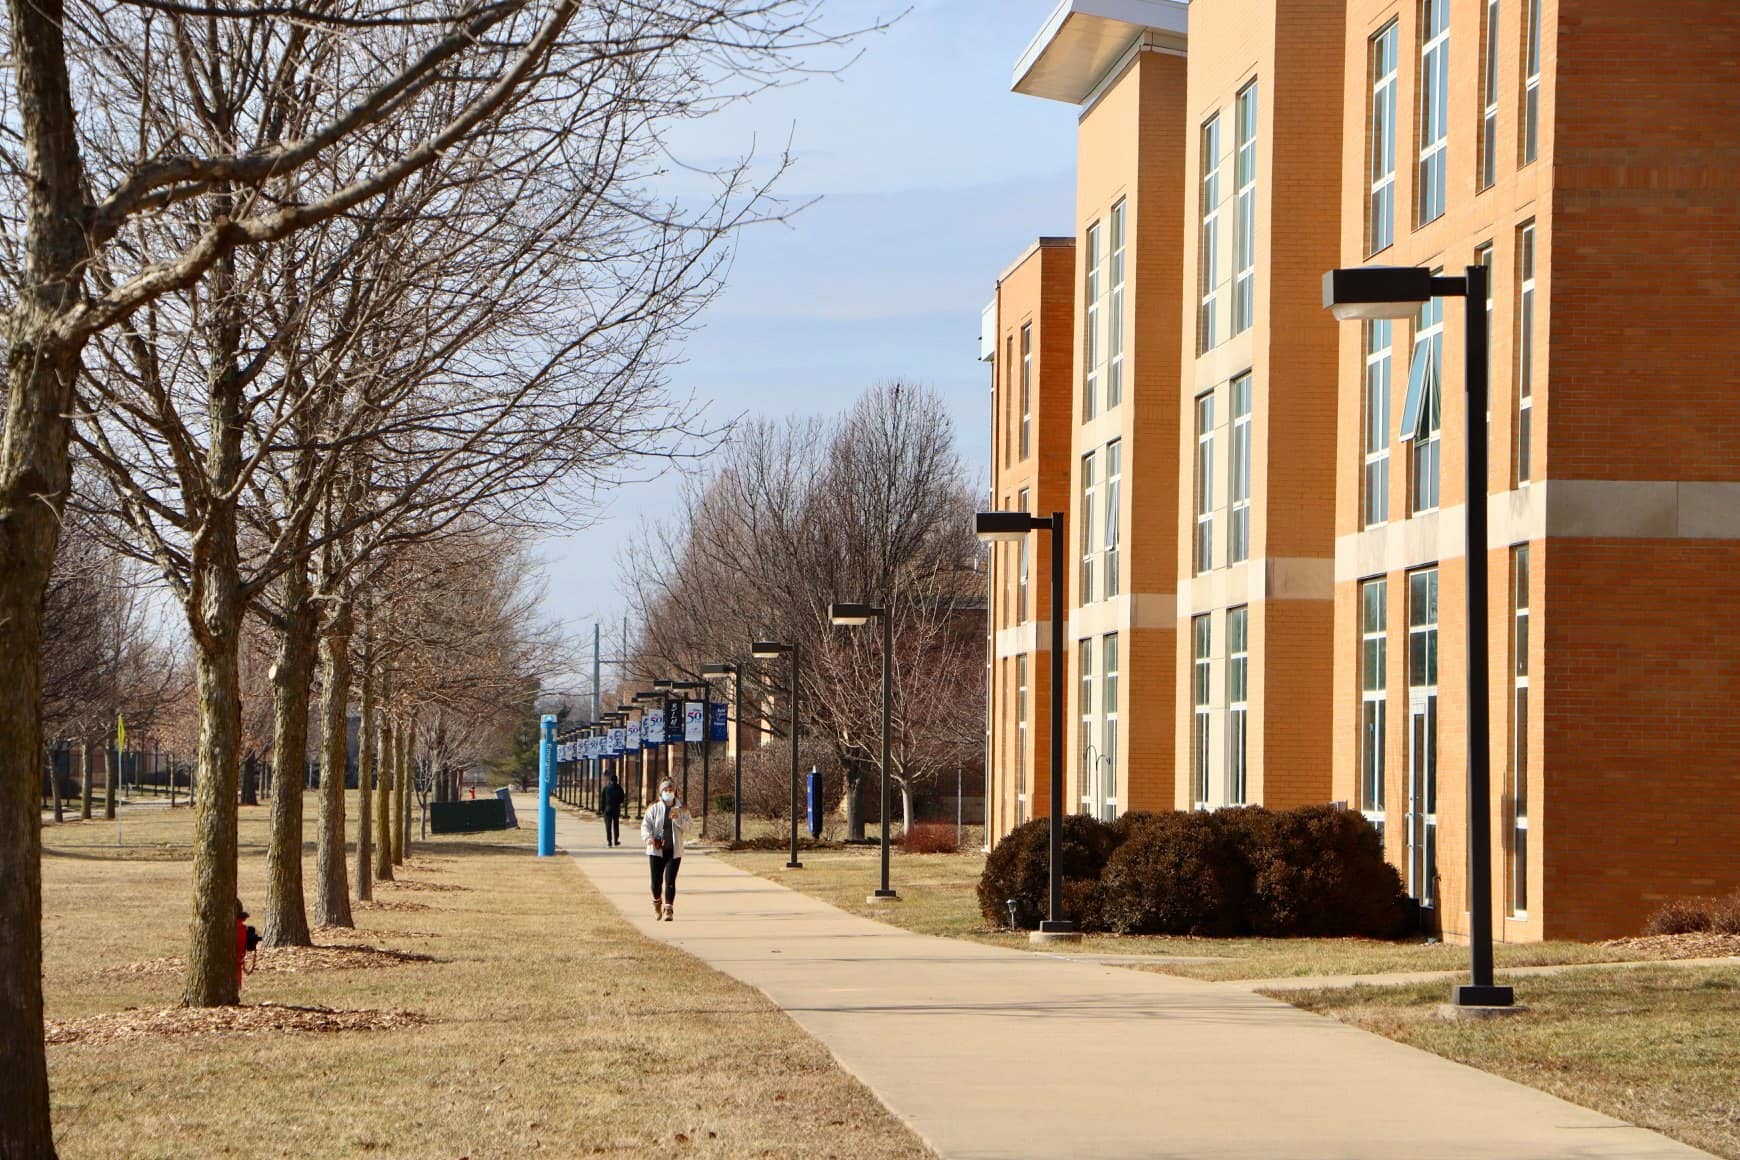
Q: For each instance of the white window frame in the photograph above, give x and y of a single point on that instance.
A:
(1090, 392)
(1385, 52)
(1239, 471)
(1373, 696)
(1088, 491)
(1115, 312)
(1530, 143)
(1423, 702)
(1023, 609)
(1088, 764)
(1245, 210)
(1026, 442)
(1488, 158)
(1208, 251)
(1204, 547)
(1375, 423)
(1108, 787)
(1425, 460)
(1432, 182)
(1525, 352)
(1201, 673)
(1517, 888)
(1114, 516)
(1238, 686)
(1021, 749)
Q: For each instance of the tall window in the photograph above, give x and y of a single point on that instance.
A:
(1245, 211)
(1109, 727)
(1376, 507)
(1022, 569)
(1525, 352)
(1428, 361)
(1085, 711)
(1519, 732)
(1114, 512)
(1026, 390)
(1239, 525)
(1531, 134)
(1237, 685)
(1115, 314)
(1434, 107)
(1021, 731)
(1205, 482)
(1090, 391)
(1008, 393)
(1088, 491)
(1489, 96)
(1373, 700)
(1423, 735)
(1202, 639)
(1208, 251)
(1382, 214)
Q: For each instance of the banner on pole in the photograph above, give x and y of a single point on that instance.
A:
(652, 730)
(693, 721)
(673, 722)
(634, 736)
(618, 741)
(719, 724)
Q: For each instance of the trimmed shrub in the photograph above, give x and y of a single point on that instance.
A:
(1696, 916)
(1318, 872)
(929, 838)
(1175, 873)
(1725, 915)
(1019, 869)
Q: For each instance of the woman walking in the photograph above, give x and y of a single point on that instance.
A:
(662, 828)
(610, 800)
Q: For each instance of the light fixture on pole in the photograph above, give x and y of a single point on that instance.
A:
(732, 670)
(1000, 527)
(856, 615)
(767, 650)
(1366, 293)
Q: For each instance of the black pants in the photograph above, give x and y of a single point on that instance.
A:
(664, 875)
(612, 828)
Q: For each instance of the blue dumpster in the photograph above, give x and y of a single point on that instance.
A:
(813, 790)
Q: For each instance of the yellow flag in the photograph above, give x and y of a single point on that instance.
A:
(120, 731)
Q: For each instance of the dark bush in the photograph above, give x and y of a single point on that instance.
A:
(1683, 915)
(1725, 915)
(1018, 868)
(1175, 873)
(1318, 872)
(929, 838)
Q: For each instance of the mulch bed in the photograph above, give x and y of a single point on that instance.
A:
(186, 1022)
(1703, 945)
(399, 904)
(413, 884)
(296, 960)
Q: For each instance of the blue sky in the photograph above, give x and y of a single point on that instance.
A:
(932, 176)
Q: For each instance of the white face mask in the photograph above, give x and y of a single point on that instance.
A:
(667, 797)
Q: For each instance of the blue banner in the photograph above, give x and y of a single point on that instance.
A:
(719, 723)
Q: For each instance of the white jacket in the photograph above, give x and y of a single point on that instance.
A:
(652, 825)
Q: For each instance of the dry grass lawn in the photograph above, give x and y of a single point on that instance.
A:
(938, 895)
(551, 1025)
(1655, 1046)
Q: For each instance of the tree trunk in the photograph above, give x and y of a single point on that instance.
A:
(387, 759)
(286, 911)
(331, 891)
(211, 957)
(402, 780)
(87, 784)
(854, 807)
(905, 807)
(54, 783)
(111, 781)
(251, 780)
(365, 771)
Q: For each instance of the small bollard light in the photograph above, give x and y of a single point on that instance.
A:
(1010, 903)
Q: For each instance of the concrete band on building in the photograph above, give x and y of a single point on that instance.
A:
(1265, 587)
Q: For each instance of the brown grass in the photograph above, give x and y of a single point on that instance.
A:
(1655, 1046)
(547, 1024)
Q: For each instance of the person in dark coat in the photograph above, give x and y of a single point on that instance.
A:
(610, 804)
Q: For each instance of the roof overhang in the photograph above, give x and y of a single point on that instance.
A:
(1083, 39)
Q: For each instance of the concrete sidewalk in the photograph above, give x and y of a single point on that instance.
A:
(991, 1052)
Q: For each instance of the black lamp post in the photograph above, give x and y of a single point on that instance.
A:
(859, 614)
(1378, 292)
(993, 527)
(766, 650)
(737, 760)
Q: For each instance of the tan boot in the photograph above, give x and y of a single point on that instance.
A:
(669, 911)
(658, 910)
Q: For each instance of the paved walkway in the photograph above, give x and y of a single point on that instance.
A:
(987, 1052)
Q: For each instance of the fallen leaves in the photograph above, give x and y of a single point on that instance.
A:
(1700, 945)
(295, 960)
(182, 1022)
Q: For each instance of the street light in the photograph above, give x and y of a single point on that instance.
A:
(999, 527)
(1379, 292)
(860, 614)
(767, 650)
(731, 670)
